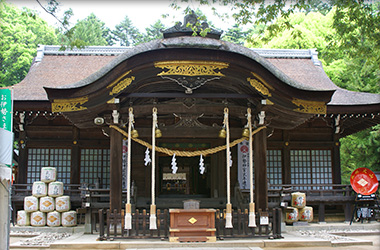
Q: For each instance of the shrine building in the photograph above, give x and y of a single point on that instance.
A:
(74, 108)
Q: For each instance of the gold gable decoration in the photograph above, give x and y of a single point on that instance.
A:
(191, 68)
(120, 84)
(260, 85)
(310, 107)
(69, 105)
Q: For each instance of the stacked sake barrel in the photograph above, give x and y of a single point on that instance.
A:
(47, 205)
(298, 211)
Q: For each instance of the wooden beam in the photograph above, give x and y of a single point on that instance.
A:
(337, 179)
(116, 145)
(260, 165)
(22, 159)
(184, 95)
(75, 158)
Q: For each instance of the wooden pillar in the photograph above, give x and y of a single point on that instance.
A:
(286, 172)
(260, 165)
(75, 158)
(22, 159)
(337, 179)
(116, 146)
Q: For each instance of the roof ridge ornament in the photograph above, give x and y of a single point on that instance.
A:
(191, 27)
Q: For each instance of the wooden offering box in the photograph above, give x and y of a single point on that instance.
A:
(192, 225)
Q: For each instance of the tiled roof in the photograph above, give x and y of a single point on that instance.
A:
(54, 68)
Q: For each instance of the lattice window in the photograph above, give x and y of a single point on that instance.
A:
(311, 166)
(274, 166)
(322, 166)
(95, 167)
(60, 158)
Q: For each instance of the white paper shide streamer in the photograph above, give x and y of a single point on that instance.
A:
(147, 159)
(174, 165)
(201, 165)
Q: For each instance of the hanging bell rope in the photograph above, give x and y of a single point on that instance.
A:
(153, 218)
(128, 207)
(252, 215)
(228, 172)
(180, 153)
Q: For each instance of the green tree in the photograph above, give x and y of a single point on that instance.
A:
(153, 32)
(125, 33)
(89, 31)
(235, 35)
(356, 72)
(360, 150)
(21, 32)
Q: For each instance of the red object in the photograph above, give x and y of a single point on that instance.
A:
(364, 181)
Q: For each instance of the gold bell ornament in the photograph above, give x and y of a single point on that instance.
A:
(245, 133)
(222, 133)
(134, 133)
(158, 133)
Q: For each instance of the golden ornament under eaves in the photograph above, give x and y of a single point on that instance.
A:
(191, 68)
(310, 107)
(69, 105)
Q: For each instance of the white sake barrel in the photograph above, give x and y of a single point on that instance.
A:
(39, 189)
(306, 214)
(38, 219)
(55, 189)
(69, 219)
(298, 200)
(47, 204)
(48, 174)
(291, 214)
(23, 218)
(62, 203)
(53, 219)
(30, 204)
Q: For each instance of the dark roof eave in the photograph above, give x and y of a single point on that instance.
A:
(353, 109)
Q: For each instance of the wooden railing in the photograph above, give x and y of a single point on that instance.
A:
(112, 225)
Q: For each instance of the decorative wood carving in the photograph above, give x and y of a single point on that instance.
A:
(310, 107)
(191, 74)
(69, 105)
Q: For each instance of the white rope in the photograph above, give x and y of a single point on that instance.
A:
(152, 220)
(228, 172)
(128, 215)
(129, 156)
(252, 216)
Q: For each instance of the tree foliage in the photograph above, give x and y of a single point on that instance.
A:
(352, 71)
(87, 32)
(126, 33)
(21, 32)
(153, 32)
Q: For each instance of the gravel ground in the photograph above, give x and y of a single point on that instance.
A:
(44, 239)
(325, 235)
(334, 235)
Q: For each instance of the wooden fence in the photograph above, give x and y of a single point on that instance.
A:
(111, 225)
